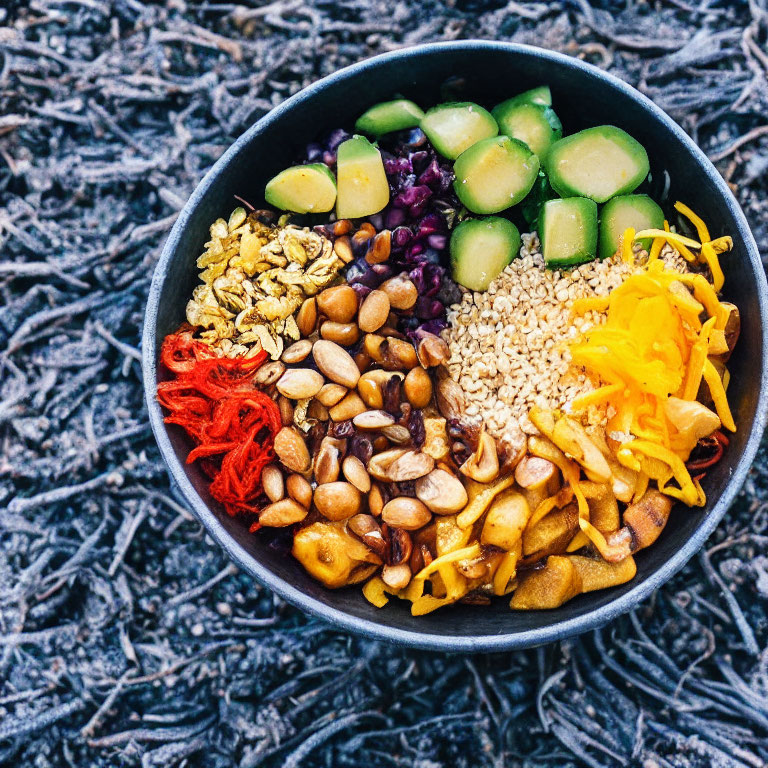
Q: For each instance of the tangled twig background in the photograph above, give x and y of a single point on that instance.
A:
(126, 638)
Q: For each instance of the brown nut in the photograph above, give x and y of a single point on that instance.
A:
(342, 247)
(291, 449)
(450, 398)
(347, 408)
(364, 233)
(374, 311)
(400, 546)
(282, 513)
(337, 500)
(397, 465)
(297, 352)
(396, 577)
(286, 410)
(418, 387)
(375, 500)
(272, 482)
(370, 386)
(345, 334)
(401, 291)
(372, 346)
(299, 489)
(379, 248)
(330, 394)
(431, 350)
(362, 361)
(338, 303)
(355, 472)
(306, 317)
(336, 363)
(397, 434)
(397, 355)
(269, 373)
(405, 512)
(300, 383)
(341, 227)
(373, 420)
(366, 527)
(442, 492)
(326, 464)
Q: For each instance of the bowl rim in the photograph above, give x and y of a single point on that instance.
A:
(414, 638)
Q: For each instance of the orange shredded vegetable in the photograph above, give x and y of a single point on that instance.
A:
(659, 328)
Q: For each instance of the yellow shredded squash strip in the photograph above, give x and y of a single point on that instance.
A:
(717, 391)
(660, 327)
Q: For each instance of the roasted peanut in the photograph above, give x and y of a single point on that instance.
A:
(355, 472)
(442, 492)
(374, 311)
(418, 387)
(291, 449)
(282, 513)
(401, 291)
(370, 386)
(286, 410)
(299, 489)
(337, 500)
(342, 247)
(272, 482)
(306, 318)
(397, 355)
(372, 346)
(300, 383)
(373, 420)
(397, 434)
(375, 500)
(269, 373)
(364, 233)
(431, 350)
(336, 363)
(362, 361)
(366, 527)
(297, 352)
(345, 334)
(379, 248)
(397, 465)
(396, 576)
(349, 407)
(338, 303)
(405, 512)
(326, 464)
(330, 394)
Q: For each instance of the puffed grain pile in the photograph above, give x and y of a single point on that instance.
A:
(509, 345)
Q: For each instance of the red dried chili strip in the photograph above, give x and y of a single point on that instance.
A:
(232, 422)
(713, 448)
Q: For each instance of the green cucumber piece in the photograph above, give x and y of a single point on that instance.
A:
(534, 201)
(599, 163)
(534, 124)
(539, 95)
(494, 174)
(456, 125)
(302, 189)
(362, 183)
(480, 249)
(636, 211)
(389, 116)
(568, 231)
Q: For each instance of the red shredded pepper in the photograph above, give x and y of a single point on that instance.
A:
(232, 422)
(707, 453)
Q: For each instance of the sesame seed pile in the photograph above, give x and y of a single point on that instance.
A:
(509, 345)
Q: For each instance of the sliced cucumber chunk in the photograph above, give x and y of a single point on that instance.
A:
(568, 231)
(598, 162)
(457, 125)
(535, 199)
(494, 174)
(480, 249)
(536, 125)
(389, 116)
(539, 95)
(636, 211)
(362, 184)
(302, 189)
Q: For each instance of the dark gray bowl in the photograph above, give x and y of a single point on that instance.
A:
(485, 72)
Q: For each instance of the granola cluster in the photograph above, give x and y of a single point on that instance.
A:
(255, 277)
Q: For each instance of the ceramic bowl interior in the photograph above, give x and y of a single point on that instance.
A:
(486, 73)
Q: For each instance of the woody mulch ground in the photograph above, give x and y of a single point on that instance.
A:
(126, 637)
